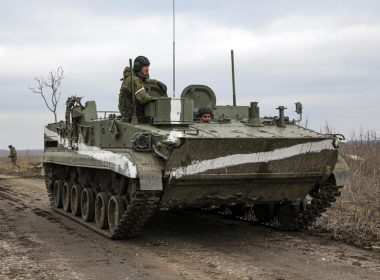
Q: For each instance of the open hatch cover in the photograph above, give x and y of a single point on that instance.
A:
(201, 95)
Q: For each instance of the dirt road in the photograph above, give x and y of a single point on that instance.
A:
(36, 243)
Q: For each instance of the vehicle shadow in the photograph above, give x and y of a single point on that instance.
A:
(207, 230)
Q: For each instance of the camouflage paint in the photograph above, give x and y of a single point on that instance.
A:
(200, 166)
(116, 162)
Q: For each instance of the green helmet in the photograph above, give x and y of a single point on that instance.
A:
(140, 62)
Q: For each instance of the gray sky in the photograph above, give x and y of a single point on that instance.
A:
(322, 53)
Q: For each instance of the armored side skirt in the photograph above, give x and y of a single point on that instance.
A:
(245, 189)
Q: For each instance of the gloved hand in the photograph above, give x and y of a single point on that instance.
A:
(162, 86)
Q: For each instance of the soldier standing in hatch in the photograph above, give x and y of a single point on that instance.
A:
(141, 75)
(13, 155)
(205, 114)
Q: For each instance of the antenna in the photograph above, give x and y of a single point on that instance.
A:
(173, 48)
(233, 78)
(134, 117)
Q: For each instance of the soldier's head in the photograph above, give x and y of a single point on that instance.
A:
(205, 114)
(141, 65)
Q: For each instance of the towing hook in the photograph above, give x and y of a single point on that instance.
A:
(338, 138)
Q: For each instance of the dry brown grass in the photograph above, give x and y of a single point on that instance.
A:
(28, 166)
(355, 216)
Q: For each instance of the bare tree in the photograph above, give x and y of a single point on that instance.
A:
(50, 89)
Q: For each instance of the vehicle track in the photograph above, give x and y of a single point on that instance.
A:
(139, 209)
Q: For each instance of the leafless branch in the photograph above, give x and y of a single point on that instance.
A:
(49, 89)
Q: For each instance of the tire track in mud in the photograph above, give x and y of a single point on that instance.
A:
(95, 258)
(24, 256)
(20, 205)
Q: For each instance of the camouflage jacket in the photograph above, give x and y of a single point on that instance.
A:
(141, 95)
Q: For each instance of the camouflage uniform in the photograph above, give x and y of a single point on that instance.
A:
(142, 97)
(13, 155)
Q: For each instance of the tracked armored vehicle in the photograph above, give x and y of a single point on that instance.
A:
(111, 175)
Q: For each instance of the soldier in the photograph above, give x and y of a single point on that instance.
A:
(141, 76)
(13, 155)
(205, 114)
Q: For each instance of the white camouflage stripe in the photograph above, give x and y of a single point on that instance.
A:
(175, 110)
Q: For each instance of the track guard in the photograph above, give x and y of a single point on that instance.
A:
(342, 172)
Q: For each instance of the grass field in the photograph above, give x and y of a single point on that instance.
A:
(29, 166)
(355, 216)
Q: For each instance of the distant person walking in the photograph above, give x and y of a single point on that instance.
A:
(13, 155)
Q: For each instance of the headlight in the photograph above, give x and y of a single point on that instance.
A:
(142, 142)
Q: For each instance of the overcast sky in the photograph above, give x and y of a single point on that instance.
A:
(322, 53)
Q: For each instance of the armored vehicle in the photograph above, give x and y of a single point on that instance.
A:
(110, 175)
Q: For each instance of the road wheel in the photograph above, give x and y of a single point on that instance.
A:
(262, 212)
(58, 193)
(76, 193)
(88, 205)
(66, 196)
(116, 210)
(101, 206)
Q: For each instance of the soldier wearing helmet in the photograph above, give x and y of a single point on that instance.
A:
(141, 76)
(205, 114)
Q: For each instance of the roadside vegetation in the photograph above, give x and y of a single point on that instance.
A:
(355, 216)
(30, 166)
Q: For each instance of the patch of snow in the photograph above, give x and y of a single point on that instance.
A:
(355, 157)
